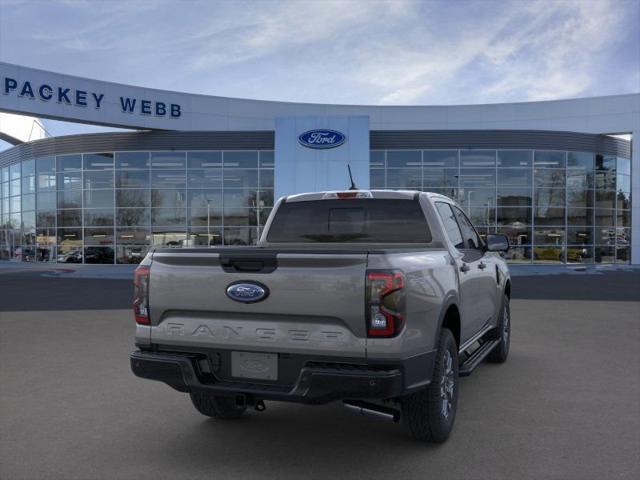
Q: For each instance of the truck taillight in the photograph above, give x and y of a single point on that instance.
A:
(385, 307)
(141, 295)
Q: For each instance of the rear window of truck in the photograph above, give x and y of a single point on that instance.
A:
(351, 220)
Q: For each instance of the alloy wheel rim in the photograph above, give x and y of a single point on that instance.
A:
(447, 385)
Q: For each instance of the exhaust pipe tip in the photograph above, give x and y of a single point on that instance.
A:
(366, 409)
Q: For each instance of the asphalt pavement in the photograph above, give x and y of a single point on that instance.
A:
(565, 405)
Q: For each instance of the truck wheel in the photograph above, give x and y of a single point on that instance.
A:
(503, 333)
(430, 413)
(216, 406)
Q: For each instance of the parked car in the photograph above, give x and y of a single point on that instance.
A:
(379, 299)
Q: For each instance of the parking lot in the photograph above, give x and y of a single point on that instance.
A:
(566, 405)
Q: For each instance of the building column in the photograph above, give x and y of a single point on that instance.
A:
(635, 197)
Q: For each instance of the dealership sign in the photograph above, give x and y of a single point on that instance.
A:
(322, 138)
(68, 95)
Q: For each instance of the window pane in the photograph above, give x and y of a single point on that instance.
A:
(132, 217)
(477, 158)
(130, 254)
(583, 160)
(514, 176)
(98, 217)
(605, 199)
(240, 159)
(376, 159)
(440, 177)
(46, 219)
(548, 254)
(28, 168)
(70, 180)
(240, 236)
(132, 179)
(580, 236)
(204, 159)
(578, 197)
(98, 236)
(238, 178)
(477, 177)
(69, 162)
(133, 236)
(98, 161)
(96, 254)
(624, 218)
(241, 216)
(514, 158)
(202, 237)
(168, 160)
(28, 184)
(623, 183)
(549, 178)
(518, 234)
(440, 159)
(546, 197)
(579, 178)
(98, 179)
(169, 217)
(43, 165)
(238, 198)
(605, 235)
(204, 216)
(267, 159)
(481, 215)
(266, 179)
(29, 202)
(46, 181)
(205, 178)
(46, 201)
(132, 198)
(549, 236)
(605, 217)
(168, 198)
(410, 178)
(623, 255)
(517, 197)
(450, 225)
(132, 160)
(70, 218)
(549, 159)
(98, 199)
(548, 216)
(168, 179)
(604, 254)
(579, 216)
(266, 198)
(477, 196)
(169, 237)
(404, 158)
(579, 254)
(605, 163)
(202, 198)
(70, 199)
(623, 166)
(514, 216)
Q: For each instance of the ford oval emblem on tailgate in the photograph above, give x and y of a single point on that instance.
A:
(247, 292)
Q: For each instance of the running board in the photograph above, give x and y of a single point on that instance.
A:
(467, 367)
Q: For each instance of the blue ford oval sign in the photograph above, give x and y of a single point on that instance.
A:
(247, 292)
(322, 138)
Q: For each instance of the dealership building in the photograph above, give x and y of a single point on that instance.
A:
(560, 178)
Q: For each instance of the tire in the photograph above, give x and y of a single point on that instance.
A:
(223, 408)
(425, 413)
(502, 332)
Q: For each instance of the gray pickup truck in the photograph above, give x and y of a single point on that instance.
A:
(379, 299)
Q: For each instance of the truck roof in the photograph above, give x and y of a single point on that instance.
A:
(387, 194)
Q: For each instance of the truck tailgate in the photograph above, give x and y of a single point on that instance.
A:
(315, 303)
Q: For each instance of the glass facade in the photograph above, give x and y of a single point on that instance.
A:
(111, 207)
(555, 206)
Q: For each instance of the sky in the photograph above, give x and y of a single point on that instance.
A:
(395, 52)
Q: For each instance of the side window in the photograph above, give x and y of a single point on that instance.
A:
(471, 238)
(450, 224)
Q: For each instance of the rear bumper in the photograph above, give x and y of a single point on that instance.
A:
(316, 383)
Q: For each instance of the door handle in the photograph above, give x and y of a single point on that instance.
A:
(465, 268)
(482, 265)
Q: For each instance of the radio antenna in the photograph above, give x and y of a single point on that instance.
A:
(353, 185)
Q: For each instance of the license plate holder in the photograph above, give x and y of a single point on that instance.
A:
(254, 365)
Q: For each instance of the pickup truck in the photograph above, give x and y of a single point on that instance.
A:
(379, 299)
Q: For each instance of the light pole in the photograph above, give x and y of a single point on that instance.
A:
(208, 223)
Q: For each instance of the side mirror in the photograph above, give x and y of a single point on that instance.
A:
(497, 243)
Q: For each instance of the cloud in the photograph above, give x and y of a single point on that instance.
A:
(338, 51)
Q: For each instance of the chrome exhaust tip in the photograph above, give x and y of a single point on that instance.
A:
(366, 409)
